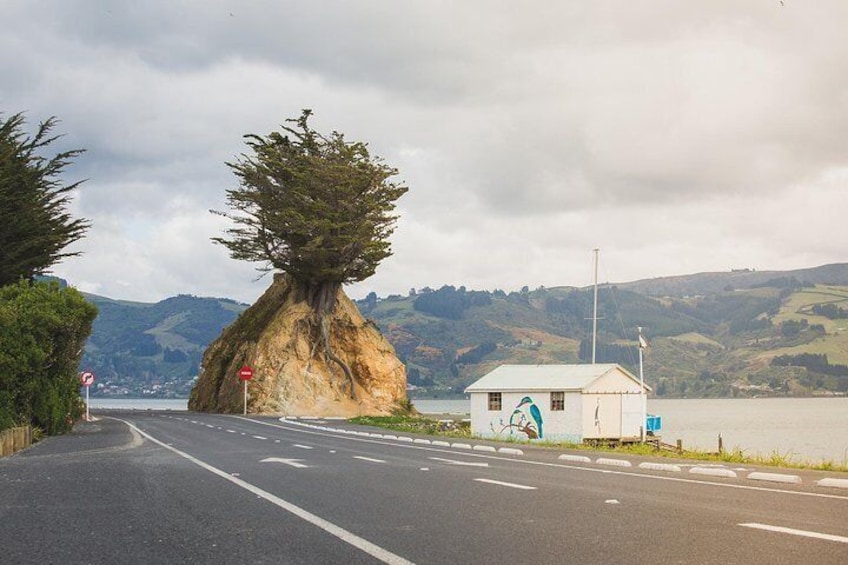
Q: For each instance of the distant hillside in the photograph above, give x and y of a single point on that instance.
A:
(712, 283)
(144, 349)
(740, 333)
(768, 338)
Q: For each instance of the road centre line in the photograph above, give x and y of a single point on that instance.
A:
(465, 463)
(369, 459)
(525, 461)
(503, 484)
(362, 544)
(794, 532)
(302, 446)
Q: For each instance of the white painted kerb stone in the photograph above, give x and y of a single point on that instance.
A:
(836, 483)
(713, 472)
(488, 448)
(660, 467)
(615, 462)
(775, 478)
(575, 458)
(510, 451)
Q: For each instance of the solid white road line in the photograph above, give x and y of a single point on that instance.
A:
(803, 533)
(371, 549)
(503, 484)
(369, 459)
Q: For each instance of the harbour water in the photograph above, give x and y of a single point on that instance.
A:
(804, 429)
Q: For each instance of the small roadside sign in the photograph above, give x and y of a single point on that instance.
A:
(87, 378)
(246, 373)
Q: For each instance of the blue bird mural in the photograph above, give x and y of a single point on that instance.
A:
(535, 413)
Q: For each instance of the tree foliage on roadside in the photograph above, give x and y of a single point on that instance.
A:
(316, 207)
(35, 226)
(43, 329)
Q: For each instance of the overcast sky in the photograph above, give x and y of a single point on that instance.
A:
(677, 137)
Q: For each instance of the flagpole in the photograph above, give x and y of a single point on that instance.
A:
(642, 395)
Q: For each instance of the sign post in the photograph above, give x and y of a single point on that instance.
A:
(87, 379)
(245, 374)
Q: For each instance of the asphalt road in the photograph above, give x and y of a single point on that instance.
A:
(171, 487)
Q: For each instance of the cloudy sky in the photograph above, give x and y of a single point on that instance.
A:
(677, 137)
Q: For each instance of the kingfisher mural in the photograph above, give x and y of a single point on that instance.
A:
(526, 418)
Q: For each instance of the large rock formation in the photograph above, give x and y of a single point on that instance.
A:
(291, 377)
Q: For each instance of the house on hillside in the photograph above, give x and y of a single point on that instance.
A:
(557, 402)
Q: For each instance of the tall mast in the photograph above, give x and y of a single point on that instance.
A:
(595, 311)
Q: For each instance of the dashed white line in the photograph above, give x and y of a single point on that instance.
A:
(259, 437)
(503, 484)
(369, 459)
(299, 446)
(465, 463)
(794, 532)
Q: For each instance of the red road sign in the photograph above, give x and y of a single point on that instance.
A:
(87, 378)
(246, 373)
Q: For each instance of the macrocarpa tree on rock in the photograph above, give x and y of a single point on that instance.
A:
(317, 207)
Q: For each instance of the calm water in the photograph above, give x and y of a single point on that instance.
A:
(804, 428)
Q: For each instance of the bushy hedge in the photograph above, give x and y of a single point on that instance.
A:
(43, 329)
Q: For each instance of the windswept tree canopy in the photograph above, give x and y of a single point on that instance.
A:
(317, 207)
(35, 226)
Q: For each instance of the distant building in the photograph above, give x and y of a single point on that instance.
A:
(557, 402)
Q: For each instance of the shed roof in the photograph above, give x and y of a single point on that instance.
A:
(545, 377)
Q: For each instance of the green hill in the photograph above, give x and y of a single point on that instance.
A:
(740, 333)
(139, 349)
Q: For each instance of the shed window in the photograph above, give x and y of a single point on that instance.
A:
(494, 401)
(558, 400)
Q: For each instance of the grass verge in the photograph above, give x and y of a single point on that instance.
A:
(431, 426)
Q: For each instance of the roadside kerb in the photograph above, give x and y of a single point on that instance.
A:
(660, 467)
(613, 462)
(575, 458)
(831, 482)
(487, 448)
(775, 478)
(510, 451)
(713, 472)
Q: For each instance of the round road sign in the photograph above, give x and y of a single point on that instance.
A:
(87, 378)
(246, 373)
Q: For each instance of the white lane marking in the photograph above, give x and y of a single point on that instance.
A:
(259, 437)
(369, 459)
(363, 544)
(210, 426)
(302, 446)
(607, 471)
(612, 501)
(503, 484)
(296, 463)
(231, 431)
(791, 531)
(465, 463)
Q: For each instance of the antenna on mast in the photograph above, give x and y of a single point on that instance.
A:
(595, 310)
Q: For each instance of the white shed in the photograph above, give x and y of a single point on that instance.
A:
(557, 402)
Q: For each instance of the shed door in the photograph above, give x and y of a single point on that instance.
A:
(631, 415)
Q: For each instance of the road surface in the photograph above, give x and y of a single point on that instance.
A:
(176, 487)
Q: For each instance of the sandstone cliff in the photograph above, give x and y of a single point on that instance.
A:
(289, 377)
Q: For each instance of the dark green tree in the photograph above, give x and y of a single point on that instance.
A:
(35, 226)
(316, 207)
(43, 329)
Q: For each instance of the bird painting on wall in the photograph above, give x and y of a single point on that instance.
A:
(535, 414)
